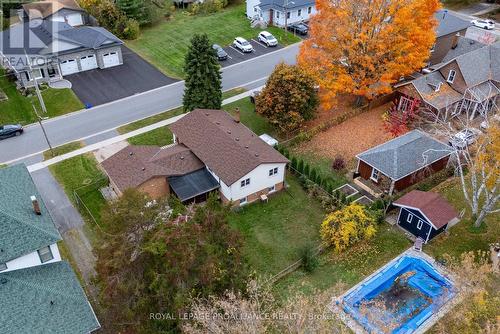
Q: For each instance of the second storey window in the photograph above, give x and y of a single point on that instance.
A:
(273, 171)
(309, 10)
(277, 15)
(299, 12)
(288, 15)
(45, 254)
(3, 266)
(245, 183)
(451, 76)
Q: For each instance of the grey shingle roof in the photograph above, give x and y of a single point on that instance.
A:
(405, 154)
(449, 23)
(464, 45)
(280, 4)
(475, 66)
(21, 230)
(445, 96)
(44, 299)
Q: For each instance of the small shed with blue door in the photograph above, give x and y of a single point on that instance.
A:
(425, 214)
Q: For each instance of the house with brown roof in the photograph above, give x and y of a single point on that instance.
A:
(67, 11)
(212, 152)
(467, 81)
(425, 214)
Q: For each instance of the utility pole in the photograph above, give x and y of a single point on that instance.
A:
(43, 129)
(286, 15)
(37, 89)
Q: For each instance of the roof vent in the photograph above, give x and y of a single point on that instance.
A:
(207, 114)
(182, 157)
(256, 154)
(36, 205)
(3, 280)
(246, 146)
(51, 302)
(143, 168)
(237, 139)
(131, 153)
(218, 123)
(229, 131)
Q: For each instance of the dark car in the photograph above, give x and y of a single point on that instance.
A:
(7, 131)
(298, 28)
(221, 54)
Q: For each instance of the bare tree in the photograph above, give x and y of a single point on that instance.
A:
(476, 165)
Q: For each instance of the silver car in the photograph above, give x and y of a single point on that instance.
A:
(464, 138)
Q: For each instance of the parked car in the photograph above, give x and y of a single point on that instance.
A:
(267, 38)
(484, 24)
(254, 94)
(242, 44)
(298, 28)
(10, 130)
(464, 138)
(221, 54)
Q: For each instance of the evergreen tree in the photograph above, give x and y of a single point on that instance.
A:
(131, 8)
(306, 170)
(300, 166)
(294, 163)
(203, 78)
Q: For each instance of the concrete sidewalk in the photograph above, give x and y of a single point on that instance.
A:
(89, 148)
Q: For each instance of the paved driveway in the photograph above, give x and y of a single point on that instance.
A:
(100, 86)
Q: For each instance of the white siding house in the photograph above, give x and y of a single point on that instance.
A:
(274, 12)
(42, 256)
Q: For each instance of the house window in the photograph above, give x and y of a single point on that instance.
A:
(45, 254)
(374, 175)
(273, 171)
(433, 47)
(299, 12)
(405, 103)
(271, 189)
(451, 76)
(309, 10)
(38, 73)
(277, 15)
(243, 200)
(419, 224)
(245, 183)
(409, 218)
(3, 266)
(287, 15)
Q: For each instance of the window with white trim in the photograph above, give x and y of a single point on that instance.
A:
(451, 76)
(271, 189)
(409, 218)
(245, 183)
(299, 12)
(3, 266)
(287, 15)
(374, 175)
(273, 171)
(243, 200)
(420, 224)
(309, 10)
(277, 15)
(45, 254)
(405, 103)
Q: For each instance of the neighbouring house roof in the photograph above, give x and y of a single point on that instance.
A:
(432, 205)
(405, 154)
(21, 230)
(46, 8)
(448, 23)
(464, 45)
(193, 184)
(134, 165)
(426, 87)
(226, 146)
(282, 4)
(45, 299)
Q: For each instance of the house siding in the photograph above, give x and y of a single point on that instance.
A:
(364, 170)
(412, 225)
(32, 259)
(443, 46)
(459, 82)
(421, 174)
(254, 196)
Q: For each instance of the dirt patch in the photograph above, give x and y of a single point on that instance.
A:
(350, 137)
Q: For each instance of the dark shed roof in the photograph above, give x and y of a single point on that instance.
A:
(193, 184)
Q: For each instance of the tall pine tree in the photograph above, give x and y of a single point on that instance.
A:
(203, 78)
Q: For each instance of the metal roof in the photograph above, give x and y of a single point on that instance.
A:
(193, 184)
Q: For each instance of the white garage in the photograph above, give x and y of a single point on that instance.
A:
(88, 62)
(69, 66)
(110, 59)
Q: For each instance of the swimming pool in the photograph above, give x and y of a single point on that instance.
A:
(400, 297)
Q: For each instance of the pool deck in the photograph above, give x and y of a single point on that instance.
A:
(336, 307)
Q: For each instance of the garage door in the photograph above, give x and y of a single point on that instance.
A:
(88, 62)
(110, 59)
(69, 66)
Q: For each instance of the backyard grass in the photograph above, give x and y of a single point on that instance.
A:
(463, 237)
(274, 232)
(349, 267)
(80, 173)
(166, 44)
(63, 149)
(250, 118)
(18, 108)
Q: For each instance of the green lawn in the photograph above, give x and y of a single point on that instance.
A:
(63, 149)
(274, 232)
(165, 44)
(463, 237)
(77, 172)
(159, 137)
(250, 118)
(18, 109)
(349, 267)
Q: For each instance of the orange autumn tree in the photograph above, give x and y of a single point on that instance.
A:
(361, 47)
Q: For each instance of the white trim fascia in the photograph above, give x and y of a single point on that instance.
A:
(413, 208)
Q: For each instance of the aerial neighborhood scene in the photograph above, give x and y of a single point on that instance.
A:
(249, 166)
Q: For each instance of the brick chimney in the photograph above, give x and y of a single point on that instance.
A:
(237, 115)
(454, 41)
(36, 205)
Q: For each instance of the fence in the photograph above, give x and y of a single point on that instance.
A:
(294, 266)
(80, 192)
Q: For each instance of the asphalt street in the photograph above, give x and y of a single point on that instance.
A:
(101, 119)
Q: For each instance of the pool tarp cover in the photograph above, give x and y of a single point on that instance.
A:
(426, 290)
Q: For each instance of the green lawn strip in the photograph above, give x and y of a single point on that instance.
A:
(233, 92)
(18, 108)
(149, 120)
(165, 44)
(159, 137)
(73, 174)
(349, 267)
(274, 232)
(463, 237)
(66, 255)
(63, 149)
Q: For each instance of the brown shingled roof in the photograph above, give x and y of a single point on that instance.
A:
(432, 205)
(134, 165)
(49, 7)
(226, 146)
